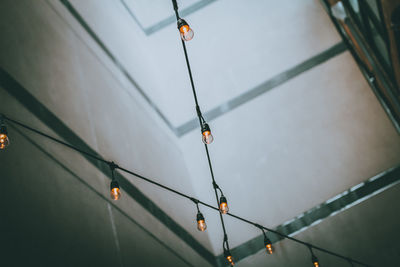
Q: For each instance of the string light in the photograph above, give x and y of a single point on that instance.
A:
(268, 244)
(4, 140)
(187, 34)
(228, 257)
(314, 258)
(207, 138)
(115, 191)
(201, 222)
(315, 261)
(226, 245)
(227, 252)
(223, 205)
(206, 133)
(185, 30)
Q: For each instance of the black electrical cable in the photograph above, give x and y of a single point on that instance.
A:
(196, 201)
(54, 139)
(201, 121)
(110, 163)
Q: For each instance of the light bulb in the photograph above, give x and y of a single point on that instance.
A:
(114, 190)
(185, 31)
(206, 134)
(223, 205)
(229, 257)
(230, 260)
(314, 260)
(268, 245)
(207, 137)
(4, 141)
(201, 223)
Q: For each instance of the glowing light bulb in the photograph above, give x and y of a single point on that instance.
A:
(269, 249)
(185, 31)
(114, 190)
(314, 260)
(4, 141)
(268, 245)
(201, 223)
(230, 260)
(229, 257)
(223, 205)
(207, 137)
(206, 134)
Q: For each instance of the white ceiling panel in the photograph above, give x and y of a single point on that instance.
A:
(149, 13)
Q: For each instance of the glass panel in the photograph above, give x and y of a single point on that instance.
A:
(356, 9)
(380, 45)
(374, 7)
(355, 6)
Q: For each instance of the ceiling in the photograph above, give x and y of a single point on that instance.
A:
(295, 123)
(215, 76)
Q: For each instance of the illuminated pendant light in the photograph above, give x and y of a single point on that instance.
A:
(227, 252)
(115, 192)
(201, 223)
(267, 242)
(207, 137)
(4, 141)
(268, 245)
(185, 30)
(223, 205)
(228, 257)
(314, 259)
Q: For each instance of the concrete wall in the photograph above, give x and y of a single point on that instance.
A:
(367, 232)
(53, 217)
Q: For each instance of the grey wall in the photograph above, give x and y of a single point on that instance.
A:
(367, 232)
(53, 218)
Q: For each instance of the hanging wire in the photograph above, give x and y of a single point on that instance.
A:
(314, 258)
(197, 201)
(112, 168)
(201, 121)
(267, 241)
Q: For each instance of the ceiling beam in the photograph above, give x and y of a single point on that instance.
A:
(264, 87)
(168, 21)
